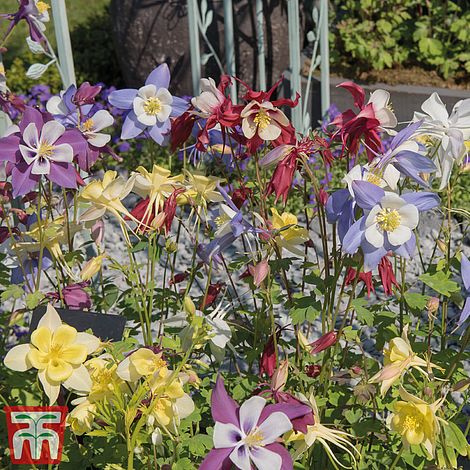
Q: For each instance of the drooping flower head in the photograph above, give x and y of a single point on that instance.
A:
(367, 123)
(40, 147)
(465, 271)
(150, 107)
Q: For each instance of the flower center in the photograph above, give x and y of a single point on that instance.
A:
(221, 220)
(45, 149)
(152, 106)
(411, 423)
(388, 219)
(262, 119)
(374, 178)
(42, 7)
(55, 353)
(254, 438)
(88, 125)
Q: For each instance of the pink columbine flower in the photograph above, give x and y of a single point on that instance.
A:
(248, 434)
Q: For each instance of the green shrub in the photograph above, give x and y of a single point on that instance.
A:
(378, 34)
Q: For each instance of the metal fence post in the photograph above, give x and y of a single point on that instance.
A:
(325, 58)
(294, 58)
(230, 46)
(260, 44)
(194, 49)
(64, 47)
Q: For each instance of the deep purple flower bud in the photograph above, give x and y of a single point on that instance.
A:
(75, 297)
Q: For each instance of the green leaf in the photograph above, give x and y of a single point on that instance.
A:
(440, 282)
(34, 299)
(199, 444)
(363, 314)
(183, 464)
(13, 291)
(353, 416)
(304, 309)
(416, 301)
(455, 438)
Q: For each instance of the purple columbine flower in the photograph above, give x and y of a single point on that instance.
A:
(41, 147)
(465, 271)
(74, 109)
(248, 434)
(387, 224)
(27, 270)
(150, 107)
(35, 13)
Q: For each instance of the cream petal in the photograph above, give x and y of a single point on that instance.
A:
(41, 338)
(17, 358)
(126, 371)
(275, 425)
(98, 140)
(184, 405)
(164, 96)
(56, 105)
(147, 91)
(51, 389)
(379, 98)
(91, 342)
(265, 459)
(79, 380)
(374, 236)
(241, 458)
(392, 201)
(147, 119)
(29, 155)
(399, 236)
(101, 120)
(92, 213)
(370, 220)
(138, 106)
(249, 127)
(435, 108)
(50, 319)
(271, 132)
(164, 114)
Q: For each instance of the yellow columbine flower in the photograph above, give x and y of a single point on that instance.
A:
(290, 234)
(81, 417)
(201, 190)
(416, 421)
(142, 363)
(58, 352)
(324, 435)
(105, 196)
(157, 185)
(92, 267)
(104, 379)
(398, 358)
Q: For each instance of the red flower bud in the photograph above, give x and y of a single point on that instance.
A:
(324, 342)
(313, 370)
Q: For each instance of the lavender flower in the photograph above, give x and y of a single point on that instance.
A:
(465, 270)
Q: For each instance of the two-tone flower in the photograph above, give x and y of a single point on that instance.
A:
(58, 352)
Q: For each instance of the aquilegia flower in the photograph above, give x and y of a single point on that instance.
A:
(247, 434)
(373, 117)
(42, 147)
(289, 235)
(58, 352)
(449, 132)
(398, 358)
(416, 421)
(82, 117)
(387, 224)
(150, 107)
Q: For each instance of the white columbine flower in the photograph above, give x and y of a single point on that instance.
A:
(209, 99)
(380, 100)
(449, 131)
(384, 178)
(151, 105)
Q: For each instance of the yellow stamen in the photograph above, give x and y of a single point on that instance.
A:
(410, 423)
(374, 178)
(388, 219)
(42, 7)
(221, 220)
(88, 125)
(152, 106)
(262, 119)
(254, 438)
(45, 149)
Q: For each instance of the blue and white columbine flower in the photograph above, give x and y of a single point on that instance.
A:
(150, 107)
(387, 224)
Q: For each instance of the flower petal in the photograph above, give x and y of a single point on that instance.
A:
(91, 342)
(41, 338)
(51, 389)
(250, 411)
(435, 108)
(265, 459)
(58, 370)
(399, 236)
(31, 136)
(223, 407)
(273, 426)
(17, 358)
(51, 131)
(241, 458)
(62, 153)
(409, 216)
(367, 194)
(123, 99)
(159, 77)
(64, 336)
(79, 380)
(216, 458)
(374, 236)
(226, 435)
(50, 319)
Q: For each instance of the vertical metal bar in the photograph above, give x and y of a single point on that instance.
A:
(294, 58)
(325, 58)
(229, 37)
(260, 44)
(64, 47)
(194, 49)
